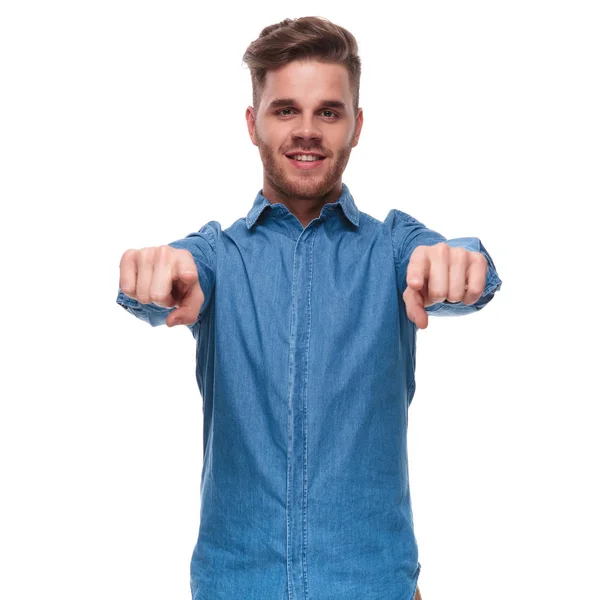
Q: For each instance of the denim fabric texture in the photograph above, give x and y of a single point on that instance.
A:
(305, 361)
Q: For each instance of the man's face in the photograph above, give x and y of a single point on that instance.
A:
(306, 106)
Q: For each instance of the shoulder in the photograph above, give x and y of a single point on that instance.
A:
(397, 219)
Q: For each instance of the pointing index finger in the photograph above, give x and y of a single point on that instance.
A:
(190, 295)
(418, 268)
(185, 268)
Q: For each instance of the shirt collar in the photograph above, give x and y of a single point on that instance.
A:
(345, 201)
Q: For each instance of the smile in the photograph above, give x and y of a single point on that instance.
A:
(306, 162)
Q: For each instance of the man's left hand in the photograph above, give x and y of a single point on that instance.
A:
(441, 272)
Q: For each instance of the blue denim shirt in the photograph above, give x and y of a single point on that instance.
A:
(306, 367)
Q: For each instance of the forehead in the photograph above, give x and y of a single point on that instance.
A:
(307, 81)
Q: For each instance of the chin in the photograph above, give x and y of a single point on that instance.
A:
(302, 188)
(308, 185)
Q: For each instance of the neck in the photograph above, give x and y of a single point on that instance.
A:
(305, 208)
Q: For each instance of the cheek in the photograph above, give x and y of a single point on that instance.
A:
(344, 138)
(273, 136)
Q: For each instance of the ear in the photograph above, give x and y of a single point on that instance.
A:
(358, 125)
(251, 122)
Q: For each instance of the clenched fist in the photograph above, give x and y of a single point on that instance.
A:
(166, 276)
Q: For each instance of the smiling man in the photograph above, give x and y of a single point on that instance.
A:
(305, 314)
(307, 127)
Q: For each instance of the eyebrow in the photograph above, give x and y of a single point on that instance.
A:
(283, 102)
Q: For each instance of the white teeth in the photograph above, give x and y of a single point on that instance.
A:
(305, 157)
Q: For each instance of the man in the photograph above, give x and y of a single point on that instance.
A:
(305, 315)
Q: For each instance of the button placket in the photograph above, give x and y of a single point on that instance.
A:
(296, 505)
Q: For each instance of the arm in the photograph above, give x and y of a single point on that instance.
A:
(202, 245)
(408, 233)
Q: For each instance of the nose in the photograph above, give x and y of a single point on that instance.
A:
(307, 129)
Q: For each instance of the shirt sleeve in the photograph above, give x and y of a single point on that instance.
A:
(408, 233)
(202, 245)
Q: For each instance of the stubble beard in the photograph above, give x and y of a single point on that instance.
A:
(305, 184)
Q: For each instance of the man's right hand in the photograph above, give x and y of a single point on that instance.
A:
(166, 276)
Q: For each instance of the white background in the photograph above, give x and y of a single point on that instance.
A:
(122, 126)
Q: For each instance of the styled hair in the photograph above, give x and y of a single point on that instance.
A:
(304, 38)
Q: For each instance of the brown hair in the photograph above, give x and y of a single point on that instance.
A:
(302, 39)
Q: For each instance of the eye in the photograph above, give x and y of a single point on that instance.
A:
(333, 115)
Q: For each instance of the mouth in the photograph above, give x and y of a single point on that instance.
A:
(305, 161)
